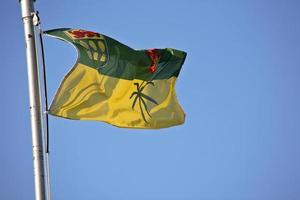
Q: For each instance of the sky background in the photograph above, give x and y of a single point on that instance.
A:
(239, 88)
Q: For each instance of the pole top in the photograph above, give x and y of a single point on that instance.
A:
(27, 8)
(32, 0)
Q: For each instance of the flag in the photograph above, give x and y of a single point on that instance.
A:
(114, 83)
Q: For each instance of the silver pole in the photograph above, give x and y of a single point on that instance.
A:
(27, 9)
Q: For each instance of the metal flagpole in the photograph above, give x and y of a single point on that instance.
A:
(28, 12)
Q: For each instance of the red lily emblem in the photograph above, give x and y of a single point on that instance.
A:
(153, 55)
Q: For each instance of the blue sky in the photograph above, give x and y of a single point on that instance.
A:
(239, 88)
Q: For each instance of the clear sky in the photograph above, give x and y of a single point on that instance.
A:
(239, 88)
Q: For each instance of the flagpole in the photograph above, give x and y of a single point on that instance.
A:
(28, 12)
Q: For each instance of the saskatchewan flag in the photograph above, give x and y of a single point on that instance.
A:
(114, 83)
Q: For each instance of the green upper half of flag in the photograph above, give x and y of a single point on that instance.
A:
(112, 58)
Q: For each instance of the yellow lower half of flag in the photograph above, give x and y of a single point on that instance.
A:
(85, 94)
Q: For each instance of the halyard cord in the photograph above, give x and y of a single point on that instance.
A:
(47, 170)
(45, 88)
